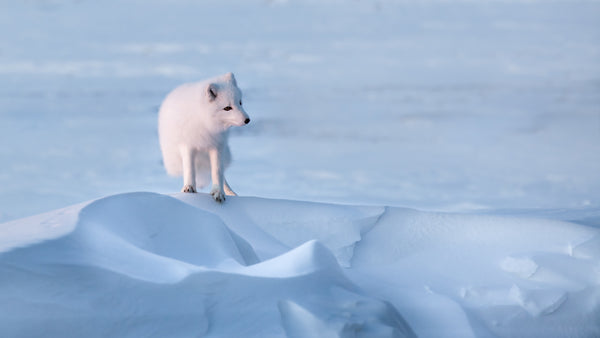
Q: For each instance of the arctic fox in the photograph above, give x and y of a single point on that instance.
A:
(193, 128)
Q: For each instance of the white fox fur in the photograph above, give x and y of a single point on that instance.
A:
(193, 128)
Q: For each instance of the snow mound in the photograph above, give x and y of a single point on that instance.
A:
(291, 223)
(308, 258)
(144, 264)
(145, 236)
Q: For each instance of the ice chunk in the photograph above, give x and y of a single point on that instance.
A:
(523, 267)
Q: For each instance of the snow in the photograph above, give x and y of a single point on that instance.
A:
(142, 264)
(437, 105)
(424, 167)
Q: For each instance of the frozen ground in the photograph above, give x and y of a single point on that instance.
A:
(439, 105)
(489, 110)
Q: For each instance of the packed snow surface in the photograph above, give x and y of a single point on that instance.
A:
(437, 105)
(448, 153)
(145, 264)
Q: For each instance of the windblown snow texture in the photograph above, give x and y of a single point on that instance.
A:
(143, 264)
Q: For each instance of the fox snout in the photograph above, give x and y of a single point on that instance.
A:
(238, 117)
(245, 117)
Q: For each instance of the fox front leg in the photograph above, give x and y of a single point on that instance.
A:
(216, 170)
(189, 172)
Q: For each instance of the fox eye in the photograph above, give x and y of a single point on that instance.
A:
(228, 108)
(240, 102)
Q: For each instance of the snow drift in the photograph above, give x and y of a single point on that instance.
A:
(144, 264)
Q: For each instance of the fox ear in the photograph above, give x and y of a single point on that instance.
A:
(211, 92)
(229, 77)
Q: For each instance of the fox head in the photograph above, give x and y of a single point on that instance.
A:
(225, 100)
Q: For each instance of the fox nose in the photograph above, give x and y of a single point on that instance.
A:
(247, 121)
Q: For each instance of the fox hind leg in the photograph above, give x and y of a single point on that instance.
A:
(227, 188)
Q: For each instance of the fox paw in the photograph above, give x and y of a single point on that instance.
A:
(188, 188)
(218, 195)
